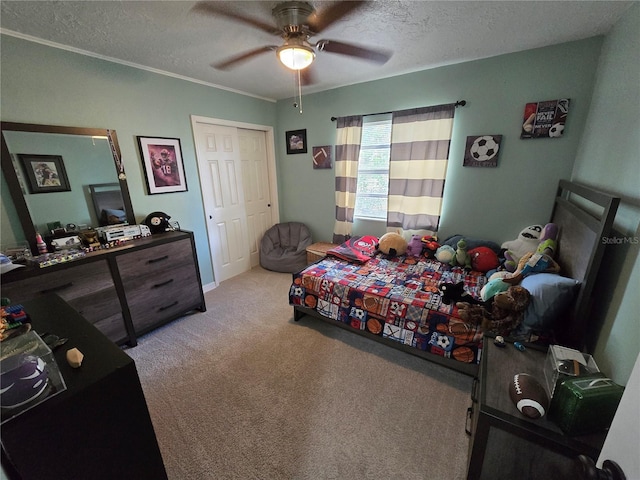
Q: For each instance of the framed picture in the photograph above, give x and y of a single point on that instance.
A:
(45, 173)
(163, 164)
(482, 151)
(545, 119)
(296, 141)
(322, 157)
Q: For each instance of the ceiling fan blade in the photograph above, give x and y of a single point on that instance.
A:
(341, 48)
(320, 21)
(307, 76)
(221, 9)
(242, 57)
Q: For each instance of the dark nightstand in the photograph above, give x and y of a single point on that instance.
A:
(504, 443)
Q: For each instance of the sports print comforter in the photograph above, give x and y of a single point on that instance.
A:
(397, 298)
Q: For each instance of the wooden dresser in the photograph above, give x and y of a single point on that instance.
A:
(124, 291)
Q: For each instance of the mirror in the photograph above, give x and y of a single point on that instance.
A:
(63, 174)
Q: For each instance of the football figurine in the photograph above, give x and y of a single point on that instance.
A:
(529, 397)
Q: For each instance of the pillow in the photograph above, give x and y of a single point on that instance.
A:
(551, 295)
(112, 216)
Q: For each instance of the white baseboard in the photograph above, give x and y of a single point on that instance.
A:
(209, 286)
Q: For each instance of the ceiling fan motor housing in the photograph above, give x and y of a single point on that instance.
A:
(291, 16)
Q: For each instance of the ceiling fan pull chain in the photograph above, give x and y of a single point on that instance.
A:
(299, 93)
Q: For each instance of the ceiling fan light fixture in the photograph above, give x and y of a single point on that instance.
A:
(296, 57)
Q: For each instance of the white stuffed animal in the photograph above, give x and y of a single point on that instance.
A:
(527, 241)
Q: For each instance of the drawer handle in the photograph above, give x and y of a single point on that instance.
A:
(168, 306)
(159, 259)
(474, 390)
(467, 423)
(158, 285)
(55, 289)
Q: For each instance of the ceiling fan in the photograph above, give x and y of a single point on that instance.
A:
(295, 22)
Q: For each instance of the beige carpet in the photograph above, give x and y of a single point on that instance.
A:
(244, 392)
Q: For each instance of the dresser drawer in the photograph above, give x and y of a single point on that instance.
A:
(83, 279)
(155, 259)
(88, 288)
(113, 328)
(155, 298)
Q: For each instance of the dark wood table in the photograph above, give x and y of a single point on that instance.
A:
(504, 443)
(99, 428)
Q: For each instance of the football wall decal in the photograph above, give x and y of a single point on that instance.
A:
(482, 151)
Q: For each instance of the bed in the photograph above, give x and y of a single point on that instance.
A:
(396, 301)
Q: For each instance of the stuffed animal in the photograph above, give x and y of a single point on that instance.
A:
(532, 262)
(527, 241)
(507, 310)
(547, 245)
(505, 313)
(483, 259)
(461, 257)
(445, 253)
(455, 292)
(392, 244)
(493, 287)
(414, 248)
(430, 245)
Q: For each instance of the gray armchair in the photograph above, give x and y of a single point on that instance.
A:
(283, 247)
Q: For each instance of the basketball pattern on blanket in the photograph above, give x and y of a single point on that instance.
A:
(392, 297)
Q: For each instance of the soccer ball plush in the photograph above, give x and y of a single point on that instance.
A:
(556, 130)
(484, 148)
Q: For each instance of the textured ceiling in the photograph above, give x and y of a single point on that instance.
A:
(169, 36)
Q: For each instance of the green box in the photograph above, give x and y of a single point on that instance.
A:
(585, 405)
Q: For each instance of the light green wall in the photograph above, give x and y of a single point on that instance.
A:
(489, 203)
(609, 158)
(40, 84)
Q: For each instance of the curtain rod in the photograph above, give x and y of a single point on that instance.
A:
(459, 103)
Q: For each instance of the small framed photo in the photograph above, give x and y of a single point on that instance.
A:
(296, 141)
(163, 164)
(45, 173)
(322, 157)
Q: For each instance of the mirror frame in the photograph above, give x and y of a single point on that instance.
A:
(14, 186)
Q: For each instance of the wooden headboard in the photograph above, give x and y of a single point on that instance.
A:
(584, 217)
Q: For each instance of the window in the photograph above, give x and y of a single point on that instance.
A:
(373, 168)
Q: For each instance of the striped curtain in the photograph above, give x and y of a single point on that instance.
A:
(420, 141)
(347, 153)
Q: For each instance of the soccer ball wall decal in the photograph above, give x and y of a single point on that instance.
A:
(482, 151)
